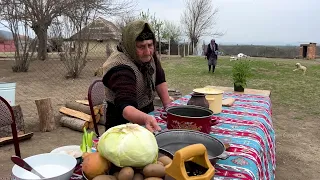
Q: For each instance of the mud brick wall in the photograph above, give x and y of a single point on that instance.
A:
(312, 51)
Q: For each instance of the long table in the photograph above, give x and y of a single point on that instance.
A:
(247, 127)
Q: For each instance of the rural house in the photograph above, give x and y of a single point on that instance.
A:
(6, 42)
(102, 36)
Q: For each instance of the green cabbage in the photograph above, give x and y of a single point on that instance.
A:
(128, 145)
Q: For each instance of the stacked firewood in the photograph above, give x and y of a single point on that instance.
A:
(173, 93)
(77, 115)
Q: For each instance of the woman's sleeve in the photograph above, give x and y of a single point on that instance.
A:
(122, 81)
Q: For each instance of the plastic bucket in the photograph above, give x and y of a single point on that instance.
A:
(8, 92)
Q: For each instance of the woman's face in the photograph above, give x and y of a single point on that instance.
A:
(144, 50)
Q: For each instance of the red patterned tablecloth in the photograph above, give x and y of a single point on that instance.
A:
(247, 127)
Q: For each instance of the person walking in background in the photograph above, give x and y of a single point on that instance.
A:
(212, 54)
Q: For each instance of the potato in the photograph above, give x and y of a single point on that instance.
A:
(165, 160)
(137, 176)
(126, 173)
(154, 170)
(158, 162)
(104, 177)
(116, 174)
(153, 178)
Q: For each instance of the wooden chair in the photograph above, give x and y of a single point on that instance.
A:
(6, 119)
(96, 96)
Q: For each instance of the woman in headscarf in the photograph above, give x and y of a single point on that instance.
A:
(212, 55)
(132, 77)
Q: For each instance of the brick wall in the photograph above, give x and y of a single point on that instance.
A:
(311, 51)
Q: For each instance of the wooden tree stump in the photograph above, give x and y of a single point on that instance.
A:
(74, 123)
(46, 116)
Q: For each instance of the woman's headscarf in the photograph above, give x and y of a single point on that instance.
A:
(212, 45)
(138, 30)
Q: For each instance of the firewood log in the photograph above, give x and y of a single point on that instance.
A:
(102, 120)
(74, 123)
(81, 107)
(97, 117)
(101, 110)
(76, 114)
(85, 102)
(96, 109)
(91, 125)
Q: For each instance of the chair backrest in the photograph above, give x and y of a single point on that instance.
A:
(96, 93)
(6, 113)
(96, 96)
(7, 119)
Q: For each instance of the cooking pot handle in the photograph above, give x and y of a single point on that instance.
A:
(164, 116)
(223, 156)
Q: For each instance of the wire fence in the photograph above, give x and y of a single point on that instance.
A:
(47, 79)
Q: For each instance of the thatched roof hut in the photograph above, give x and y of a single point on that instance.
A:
(99, 30)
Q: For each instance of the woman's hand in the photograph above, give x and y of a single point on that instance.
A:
(151, 124)
(136, 116)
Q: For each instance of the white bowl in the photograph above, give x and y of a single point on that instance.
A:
(53, 166)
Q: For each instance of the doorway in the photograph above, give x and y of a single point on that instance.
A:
(304, 51)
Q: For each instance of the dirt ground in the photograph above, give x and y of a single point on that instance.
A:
(298, 142)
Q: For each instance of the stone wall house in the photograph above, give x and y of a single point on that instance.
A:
(101, 35)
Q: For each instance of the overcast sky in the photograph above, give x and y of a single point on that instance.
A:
(269, 22)
(263, 22)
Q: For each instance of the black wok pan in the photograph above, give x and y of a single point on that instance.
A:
(175, 139)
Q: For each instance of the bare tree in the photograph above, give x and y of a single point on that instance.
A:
(171, 31)
(24, 45)
(76, 51)
(40, 14)
(124, 19)
(198, 19)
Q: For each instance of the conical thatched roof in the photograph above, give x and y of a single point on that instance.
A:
(99, 29)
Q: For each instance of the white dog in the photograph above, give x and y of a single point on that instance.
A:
(300, 67)
(238, 57)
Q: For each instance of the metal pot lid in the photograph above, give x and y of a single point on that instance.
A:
(208, 90)
(175, 139)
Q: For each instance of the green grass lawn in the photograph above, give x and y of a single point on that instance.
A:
(289, 89)
(295, 104)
